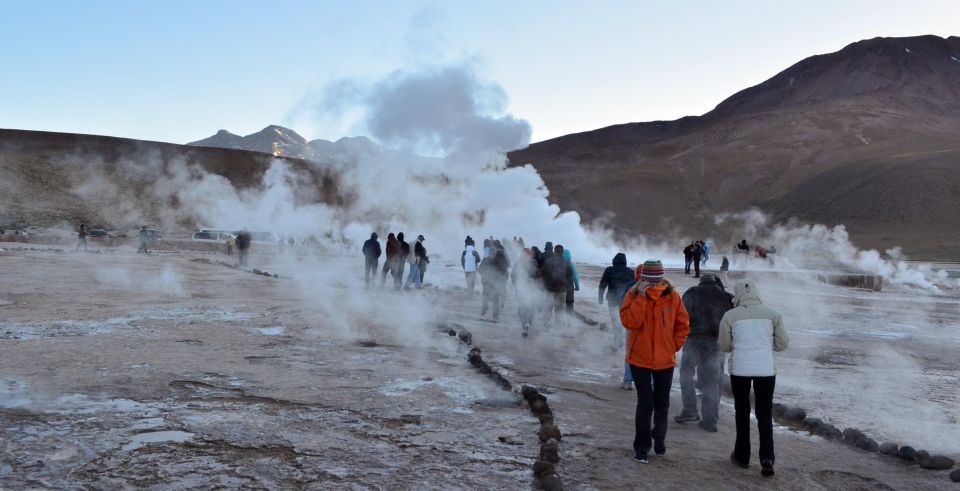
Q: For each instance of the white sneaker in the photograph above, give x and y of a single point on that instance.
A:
(626, 385)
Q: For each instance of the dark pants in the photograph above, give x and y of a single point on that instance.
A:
(243, 255)
(763, 397)
(653, 399)
(370, 269)
(388, 266)
(703, 357)
(686, 264)
(696, 267)
(398, 273)
(492, 294)
(569, 298)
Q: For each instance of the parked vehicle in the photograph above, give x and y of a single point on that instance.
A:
(206, 235)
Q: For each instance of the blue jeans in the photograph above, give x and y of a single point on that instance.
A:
(703, 357)
(413, 276)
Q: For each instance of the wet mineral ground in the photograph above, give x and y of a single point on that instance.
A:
(172, 371)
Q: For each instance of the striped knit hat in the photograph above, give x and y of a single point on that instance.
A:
(650, 271)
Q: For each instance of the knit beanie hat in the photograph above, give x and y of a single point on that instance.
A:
(650, 271)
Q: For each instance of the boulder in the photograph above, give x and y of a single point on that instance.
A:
(795, 414)
(907, 453)
(955, 476)
(550, 451)
(889, 448)
(779, 409)
(528, 392)
(921, 456)
(868, 444)
(542, 468)
(551, 483)
(853, 436)
(937, 462)
(548, 431)
(466, 337)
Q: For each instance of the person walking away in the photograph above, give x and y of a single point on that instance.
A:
(697, 255)
(547, 252)
(657, 326)
(493, 276)
(556, 275)
(419, 252)
(243, 246)
(706, 251)
(488, 248)
(469, 260)
(424, 261)
(144, 238)
(81, 238)
(390, 263)
(724, 267)
(687, 258)
(230, 242)
(751, 332)
(526, 283)
(705, 303)
(616, 280)
(371, 255)
(574, 284)
(401, 261)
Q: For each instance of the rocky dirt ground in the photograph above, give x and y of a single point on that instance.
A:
(121, 371)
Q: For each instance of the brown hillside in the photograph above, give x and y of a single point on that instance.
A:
(868, 137)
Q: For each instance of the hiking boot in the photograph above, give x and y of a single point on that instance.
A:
(641, 457)
(766, 468)
(683, 418)
(711, 429)
(733, 458)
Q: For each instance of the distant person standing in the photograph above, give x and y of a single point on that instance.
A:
(706, 251)
(574, 284)
(470, 260)
(393, 257)
(243, 246)
(751, 332)
(230, 242)
(82, 238)
(697, 256)
(687, 258)
(144, 238)
(556, 275)
(657, 326)
(616, 280)
(401, 262)
(546, 254)
(493, 274)
(705, 303)
(419, 254)
(371, 254)
(527, 285)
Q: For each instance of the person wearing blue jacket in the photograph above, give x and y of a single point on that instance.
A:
(616, 280)
(574, 285)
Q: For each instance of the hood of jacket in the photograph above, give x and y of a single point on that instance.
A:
(566, 254)
(390, 236)
(659, 290)
(620, 259)
(374, 236)
(746, 293)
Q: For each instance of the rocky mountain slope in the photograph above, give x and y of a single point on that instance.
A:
(868, 136)
(284, 142)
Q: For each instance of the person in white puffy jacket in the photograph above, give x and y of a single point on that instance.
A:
(751, 332)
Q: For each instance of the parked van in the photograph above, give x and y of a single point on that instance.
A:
(207, 235)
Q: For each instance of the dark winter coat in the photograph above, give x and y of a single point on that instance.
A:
(393, 247)
(243, 240)
(697, 252)
(371, 248)
(706, 303)
(616, 280)
(556, 273)
(688, 252)
(494, 272)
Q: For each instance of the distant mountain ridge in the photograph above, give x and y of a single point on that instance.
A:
(284, 142)
(868, 136)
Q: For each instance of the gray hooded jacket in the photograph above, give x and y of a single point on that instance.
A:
(751, 332)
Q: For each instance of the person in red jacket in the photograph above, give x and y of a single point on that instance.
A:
(657, 325)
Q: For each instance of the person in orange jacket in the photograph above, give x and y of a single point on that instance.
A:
(657, 325)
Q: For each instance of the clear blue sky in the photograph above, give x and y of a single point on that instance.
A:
(180, 70)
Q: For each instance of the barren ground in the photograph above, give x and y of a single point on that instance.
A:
(124, 371)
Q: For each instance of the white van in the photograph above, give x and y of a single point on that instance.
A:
(208, 235)
(264, 238)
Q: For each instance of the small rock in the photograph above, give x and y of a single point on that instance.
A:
(811, 424)
(907, 453)
(451, 332)
(550, 451)
(548, 431)
(466, 337)
(853, 436)
(868, 444)
(542, 468)
(937, 462)
(528, 392)
(889, 448)
(540, 406)
(795, 414)
(921, 456)
(779, 409)
(829, 431)
(551, 483)
(955, 476)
